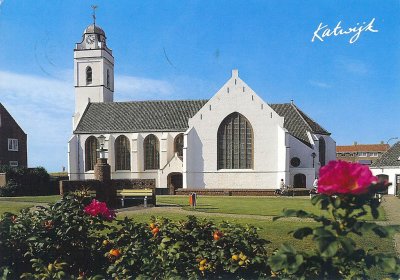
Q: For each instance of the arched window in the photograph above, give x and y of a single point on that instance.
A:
(108, 78)
(179, 145)
(322, 151)
(91, 145)
(89, 75)
(235, 143)
(122, 153)
(151, 152)
(299, 181)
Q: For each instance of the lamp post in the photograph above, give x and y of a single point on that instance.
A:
(102, 151)
(392, 138)
(313, 155)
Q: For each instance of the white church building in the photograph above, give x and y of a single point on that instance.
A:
(232, 140)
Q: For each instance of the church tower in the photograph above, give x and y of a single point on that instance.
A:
(93, 71)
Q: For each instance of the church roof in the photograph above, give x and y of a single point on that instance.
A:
(173, 115)
(390, 158)
(94, 29)
(297, 122)
(136, 116)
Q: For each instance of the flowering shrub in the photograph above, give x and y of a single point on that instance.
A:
(71, 240)
(347, 193)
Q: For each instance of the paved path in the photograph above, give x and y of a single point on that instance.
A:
(391, 204)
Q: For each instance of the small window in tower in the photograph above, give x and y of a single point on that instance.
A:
(108, 78)
(88, 75)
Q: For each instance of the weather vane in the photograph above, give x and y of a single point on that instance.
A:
(94, 7)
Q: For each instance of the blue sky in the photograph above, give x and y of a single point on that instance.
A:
(187, 49)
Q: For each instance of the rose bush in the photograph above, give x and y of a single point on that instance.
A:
(73, 239)
(347, 193)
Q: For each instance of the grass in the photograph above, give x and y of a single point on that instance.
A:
(15, 204)
(263, 206)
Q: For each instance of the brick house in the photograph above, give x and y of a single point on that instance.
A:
(13, 141)
(362, 153)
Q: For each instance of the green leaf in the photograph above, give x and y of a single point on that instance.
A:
(302, 232)
(327, 247)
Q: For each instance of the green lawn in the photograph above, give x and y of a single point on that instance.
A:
(264, 206)
(15, 204)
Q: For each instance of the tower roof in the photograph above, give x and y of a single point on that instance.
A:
(94, 29)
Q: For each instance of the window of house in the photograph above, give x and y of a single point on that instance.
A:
(14, 163)
(235, 143)
(108, 78)
(13, 145)
(91, 145)
(322, 151)
(151, 152)
(89, 77)
(362, 154)
(179, 145)
(122, 153)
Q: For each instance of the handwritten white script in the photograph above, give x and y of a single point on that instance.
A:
(323, 31)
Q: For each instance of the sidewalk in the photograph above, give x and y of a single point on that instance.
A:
(391, 204)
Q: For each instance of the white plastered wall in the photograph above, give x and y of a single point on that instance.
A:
(167, 156)
(269, 148)
(390, 171)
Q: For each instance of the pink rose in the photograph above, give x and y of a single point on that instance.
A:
(342, 177)
(97, 208)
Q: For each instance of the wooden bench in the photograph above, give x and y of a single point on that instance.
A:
(145, 194)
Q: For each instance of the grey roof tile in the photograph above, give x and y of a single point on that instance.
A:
(138, 116)
(173, 115)
(297, 122)
(389, 158)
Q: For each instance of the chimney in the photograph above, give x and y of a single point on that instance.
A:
(235, 73)
(355, 143)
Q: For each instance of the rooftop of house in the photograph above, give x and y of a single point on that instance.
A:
(173, 115)
(363, 148)
(390, 158)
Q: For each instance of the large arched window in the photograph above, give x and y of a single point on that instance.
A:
(322, 151)
(91, 145)
(235, 143)
(122, 153)
(178, 143)
(89, 77)
(299, 180)
(151, 152)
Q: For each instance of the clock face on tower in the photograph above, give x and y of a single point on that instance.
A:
(90, 39)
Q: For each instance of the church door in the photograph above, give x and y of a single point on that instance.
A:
(175, 181)
(299, 181)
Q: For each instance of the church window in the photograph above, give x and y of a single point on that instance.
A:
(151, 152)
(235, 143)
(179, 145)
(122, 153)
(91, 145)
(89, 77)
(322, 151)
(108, 78)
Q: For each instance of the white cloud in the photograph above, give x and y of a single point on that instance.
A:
(319, 84)
(135, 88)
(352, 66)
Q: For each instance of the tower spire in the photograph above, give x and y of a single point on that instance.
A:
(94, 7)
